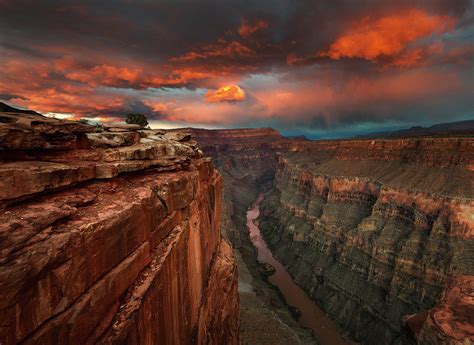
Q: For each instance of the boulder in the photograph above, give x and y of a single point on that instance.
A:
(121, 127)
(178, 136)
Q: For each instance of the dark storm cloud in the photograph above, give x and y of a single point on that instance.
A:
(157, 31)
(9, 96)
(85, 58)
(127, 107)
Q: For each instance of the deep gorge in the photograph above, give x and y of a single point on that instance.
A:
(377, 232)
(125, 235)
(309, 314)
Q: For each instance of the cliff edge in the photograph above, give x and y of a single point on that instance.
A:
(111, 235)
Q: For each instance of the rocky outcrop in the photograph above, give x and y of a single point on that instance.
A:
(450, 321)
(111, 235)
(376, 234)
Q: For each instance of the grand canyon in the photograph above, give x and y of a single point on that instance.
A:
(237, 172)
(113, 235)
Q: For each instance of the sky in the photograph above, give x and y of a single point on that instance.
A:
(324, 69)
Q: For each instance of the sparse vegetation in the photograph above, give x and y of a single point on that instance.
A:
(137, 119)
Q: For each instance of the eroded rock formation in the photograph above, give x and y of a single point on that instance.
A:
(247, 160)
(112, 236)
(373, 230)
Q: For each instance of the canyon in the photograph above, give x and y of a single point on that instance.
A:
(120, 234)
(378, 232)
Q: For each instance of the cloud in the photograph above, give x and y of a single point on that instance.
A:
(375, 98)
(372, 39)
(9, 96)
(106, 75)
(246, 29)
(222, 48)
(231, 93)
(306, 64)
(415, 56)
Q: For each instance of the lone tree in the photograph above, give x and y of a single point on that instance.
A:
(137, 119)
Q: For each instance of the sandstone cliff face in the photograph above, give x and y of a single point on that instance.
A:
(111, 236)
(376, 234)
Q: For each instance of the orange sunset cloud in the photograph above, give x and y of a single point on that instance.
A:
(246, 29)
(221, 48)
(387, 36)
(318, 65)
(231, 93)
(106, 75)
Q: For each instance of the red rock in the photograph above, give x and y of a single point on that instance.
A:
(121, 127)
(85, 242)
(106, 139)
(29, 131)
(451, 321)
(177, 136)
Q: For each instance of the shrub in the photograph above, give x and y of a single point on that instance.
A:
(137, 119)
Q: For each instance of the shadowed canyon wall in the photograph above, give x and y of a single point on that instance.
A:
(111, 236)
(378, 232)
(248, 160)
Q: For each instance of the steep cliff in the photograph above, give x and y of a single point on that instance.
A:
(111, 236)
(375, 230)
(248, 160)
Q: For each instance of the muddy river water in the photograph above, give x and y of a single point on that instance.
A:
(324, 329)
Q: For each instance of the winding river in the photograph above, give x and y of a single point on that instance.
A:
(324, 329)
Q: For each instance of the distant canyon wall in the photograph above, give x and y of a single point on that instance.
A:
(378, 232)
(248, 160)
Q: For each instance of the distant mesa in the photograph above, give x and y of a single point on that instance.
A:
(297, 137)
(449, 128)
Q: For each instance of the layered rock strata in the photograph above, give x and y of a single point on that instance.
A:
(248, 160)
(450, 321)
(111, 236)
(375, 230)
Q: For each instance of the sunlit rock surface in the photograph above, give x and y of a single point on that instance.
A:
(111, 236)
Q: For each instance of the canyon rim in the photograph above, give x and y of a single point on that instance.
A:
(268, 172)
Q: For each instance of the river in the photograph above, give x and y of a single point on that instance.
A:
(324, 329)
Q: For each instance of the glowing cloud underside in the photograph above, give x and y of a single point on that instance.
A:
(386, 36)
(312, 67)
(231, 93)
